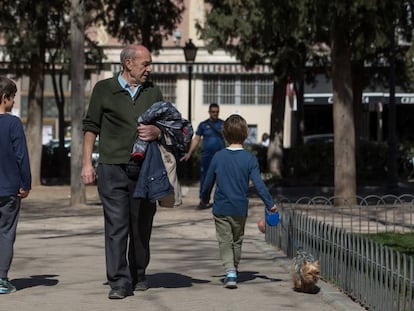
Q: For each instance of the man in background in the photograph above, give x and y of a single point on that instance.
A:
(209, 132)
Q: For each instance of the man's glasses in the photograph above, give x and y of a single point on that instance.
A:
(214, 111)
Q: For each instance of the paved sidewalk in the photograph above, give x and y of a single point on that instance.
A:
(59, 263)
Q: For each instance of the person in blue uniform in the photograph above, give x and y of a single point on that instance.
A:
(209, 132)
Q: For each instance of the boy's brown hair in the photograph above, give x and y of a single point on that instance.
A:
(235, 129)
(7, 88)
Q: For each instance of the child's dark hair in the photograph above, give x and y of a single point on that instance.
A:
(7, 87)
(235, 129)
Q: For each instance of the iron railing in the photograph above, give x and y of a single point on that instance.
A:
(376, 276)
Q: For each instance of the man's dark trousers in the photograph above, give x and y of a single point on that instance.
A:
(126, 219)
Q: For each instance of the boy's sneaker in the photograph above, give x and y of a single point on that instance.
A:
(231, 279)
(6, 287)
(230, 282)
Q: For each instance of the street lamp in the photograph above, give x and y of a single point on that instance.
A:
(190, 52)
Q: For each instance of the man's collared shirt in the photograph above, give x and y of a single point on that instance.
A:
(127, 87)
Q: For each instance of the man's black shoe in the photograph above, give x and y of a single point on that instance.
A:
(119, 293)
(141, 285)
(201, 205)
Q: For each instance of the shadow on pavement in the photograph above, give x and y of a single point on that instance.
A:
(314, 291)
(172, 280)
(35, 280)
(245, 276)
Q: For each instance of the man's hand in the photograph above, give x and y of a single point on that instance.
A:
(185, 157)
(23, 193)
(194, 142)
(148, 132)
(88, 175)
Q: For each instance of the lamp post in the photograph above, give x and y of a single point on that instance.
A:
(190, 52)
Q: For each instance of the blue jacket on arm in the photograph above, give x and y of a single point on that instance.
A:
(153, 182)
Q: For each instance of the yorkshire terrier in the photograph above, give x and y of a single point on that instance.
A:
(305, 272)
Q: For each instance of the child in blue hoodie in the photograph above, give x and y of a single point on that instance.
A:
(15, 178)
(232, 169)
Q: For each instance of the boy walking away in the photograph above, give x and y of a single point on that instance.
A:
(231, 169)
(15, 178)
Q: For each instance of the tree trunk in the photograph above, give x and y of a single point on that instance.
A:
(34, 123)
(299, 80)
(63, 167)
(275, 150)
(358, 85)
(78, 195)
(343, 115)
(300, 126)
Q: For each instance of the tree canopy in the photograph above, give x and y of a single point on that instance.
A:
(295, 37)
(146, 22)
(37, 36)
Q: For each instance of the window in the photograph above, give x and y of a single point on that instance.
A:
(252, 134)
(237, 89)
(168, 86)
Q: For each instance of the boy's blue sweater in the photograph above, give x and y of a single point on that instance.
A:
(232, 171)
(14, 159)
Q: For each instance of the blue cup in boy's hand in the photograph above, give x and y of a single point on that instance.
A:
(272, 219)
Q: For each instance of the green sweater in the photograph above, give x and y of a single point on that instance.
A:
(113, 114)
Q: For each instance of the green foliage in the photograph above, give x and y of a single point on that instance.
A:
(35, 27)
(314, 163)
(309, 164)
(355, 35)
(401, 242)
(372, 160)
(407, 148)
(258, 32)
(406, 160)
(145, 22)
(189, 172)
(280, 32)
(261, 154)
(23, 24)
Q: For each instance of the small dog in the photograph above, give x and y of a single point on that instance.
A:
(305, 272)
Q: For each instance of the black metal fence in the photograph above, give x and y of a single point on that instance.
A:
(376, 276)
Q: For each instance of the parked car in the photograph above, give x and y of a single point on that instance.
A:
(318, 138)
(55, 167)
